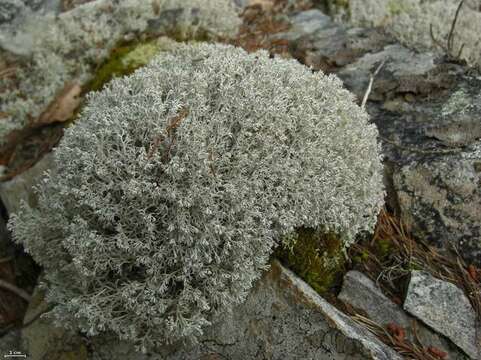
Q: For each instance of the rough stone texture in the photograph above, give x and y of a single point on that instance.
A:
(21, 187)
(398, 75)
(14, 10)
(283, 318)
(362, 293)
(308, 22)
(428, 112)
(445, 308)
(41, 339)
(10, 343)
(436, 177)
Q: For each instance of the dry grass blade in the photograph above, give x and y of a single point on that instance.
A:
(404, 347)
(10, 71)
(448, 48)
(16, 290)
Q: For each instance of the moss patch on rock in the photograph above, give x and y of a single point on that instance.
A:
(315, 256)
(127, 58)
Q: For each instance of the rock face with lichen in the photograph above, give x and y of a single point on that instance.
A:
(444, 307)
(427, 111)
(422, 24)
(51, 53)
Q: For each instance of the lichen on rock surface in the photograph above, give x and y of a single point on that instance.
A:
(410, 21)
(57, 49)
(175, 183)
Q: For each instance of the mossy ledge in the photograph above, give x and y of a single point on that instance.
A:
(126, 58)
(317, 257)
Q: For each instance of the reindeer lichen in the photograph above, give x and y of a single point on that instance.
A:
(175, 184)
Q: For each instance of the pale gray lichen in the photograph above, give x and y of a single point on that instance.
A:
(63, 48)
(460, 102)
(410, 21)
(174, 185)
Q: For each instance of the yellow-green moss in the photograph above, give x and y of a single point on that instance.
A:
(383, 247)
(317, 257)
(362, 257)
(396, 7)
(125, 59)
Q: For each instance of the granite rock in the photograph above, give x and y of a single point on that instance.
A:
(444, 307)
(20, 188)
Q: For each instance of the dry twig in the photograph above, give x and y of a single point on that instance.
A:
(448, 48)
(16, 290)
(371, 81)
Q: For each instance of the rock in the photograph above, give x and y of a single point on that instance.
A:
(20, 188)
(41, 339)
(9, 9)
(11, 343)
(402, 71)
(445, 308)
(439, 201)
(308, 22)
(362, 293)
(427, 112)
(241, 3)
(282, 318)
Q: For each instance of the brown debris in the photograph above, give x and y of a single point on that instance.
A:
(259, 23)
(63, 107)
(436, 352)
(397, 331)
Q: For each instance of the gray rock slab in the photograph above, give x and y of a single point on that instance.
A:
(20, 188)
(362, 293)
(440, 200)
(445, 308)
(401, 68)
(282, 318)
(308, 22)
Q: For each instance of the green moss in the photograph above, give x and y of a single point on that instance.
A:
(362, 257)
(127, 58)
(383, 247)
(317, 257)
(396, 7)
